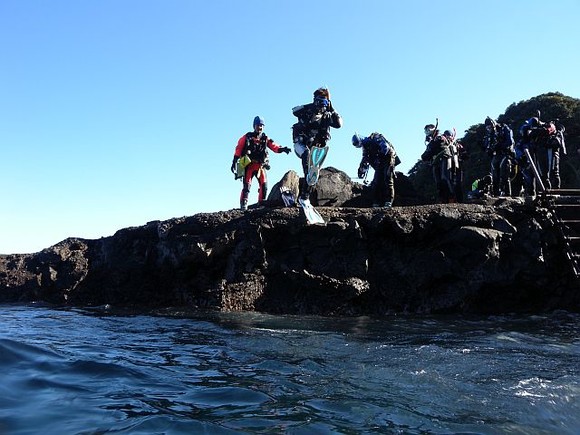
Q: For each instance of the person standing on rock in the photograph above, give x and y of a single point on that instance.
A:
(378, 153)
(435, 146)
(499, 144)
(311, 134)
(443, 153)
(529, 132)
(252, 149)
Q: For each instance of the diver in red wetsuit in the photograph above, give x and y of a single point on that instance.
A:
(254, 145)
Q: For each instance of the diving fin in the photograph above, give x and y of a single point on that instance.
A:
(312, 215)
(315, 160)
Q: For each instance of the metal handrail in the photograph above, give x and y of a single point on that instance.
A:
(535, 169)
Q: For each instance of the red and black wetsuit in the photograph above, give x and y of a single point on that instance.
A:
(255, 146)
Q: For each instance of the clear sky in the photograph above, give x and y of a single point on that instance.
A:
(114, 113)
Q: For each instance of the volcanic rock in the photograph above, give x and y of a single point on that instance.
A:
(500, 257)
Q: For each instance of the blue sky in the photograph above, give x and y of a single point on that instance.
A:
(114, 113)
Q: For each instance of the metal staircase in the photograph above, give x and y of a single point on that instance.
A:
(565, 205)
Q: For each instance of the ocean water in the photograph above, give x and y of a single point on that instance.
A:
(95, 372)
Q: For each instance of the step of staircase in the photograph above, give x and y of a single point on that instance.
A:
(565, 204)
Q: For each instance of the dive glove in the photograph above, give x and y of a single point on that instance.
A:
(362, 170)
(285, 150)
(234, 163)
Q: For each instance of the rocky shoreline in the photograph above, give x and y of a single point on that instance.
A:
(494, 258)
(497, 257)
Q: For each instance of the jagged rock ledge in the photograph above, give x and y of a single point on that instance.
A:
(453, 258)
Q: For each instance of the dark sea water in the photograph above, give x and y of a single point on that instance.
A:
(88, 372)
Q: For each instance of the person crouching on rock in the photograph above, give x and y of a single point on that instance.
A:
(380, 154)
(481, 188)
(252, 154)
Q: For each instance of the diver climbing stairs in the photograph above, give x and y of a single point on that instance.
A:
(565, 204)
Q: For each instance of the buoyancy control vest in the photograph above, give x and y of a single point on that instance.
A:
(505, 138)
(256, 148)
(377, 150)
(313, 127)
